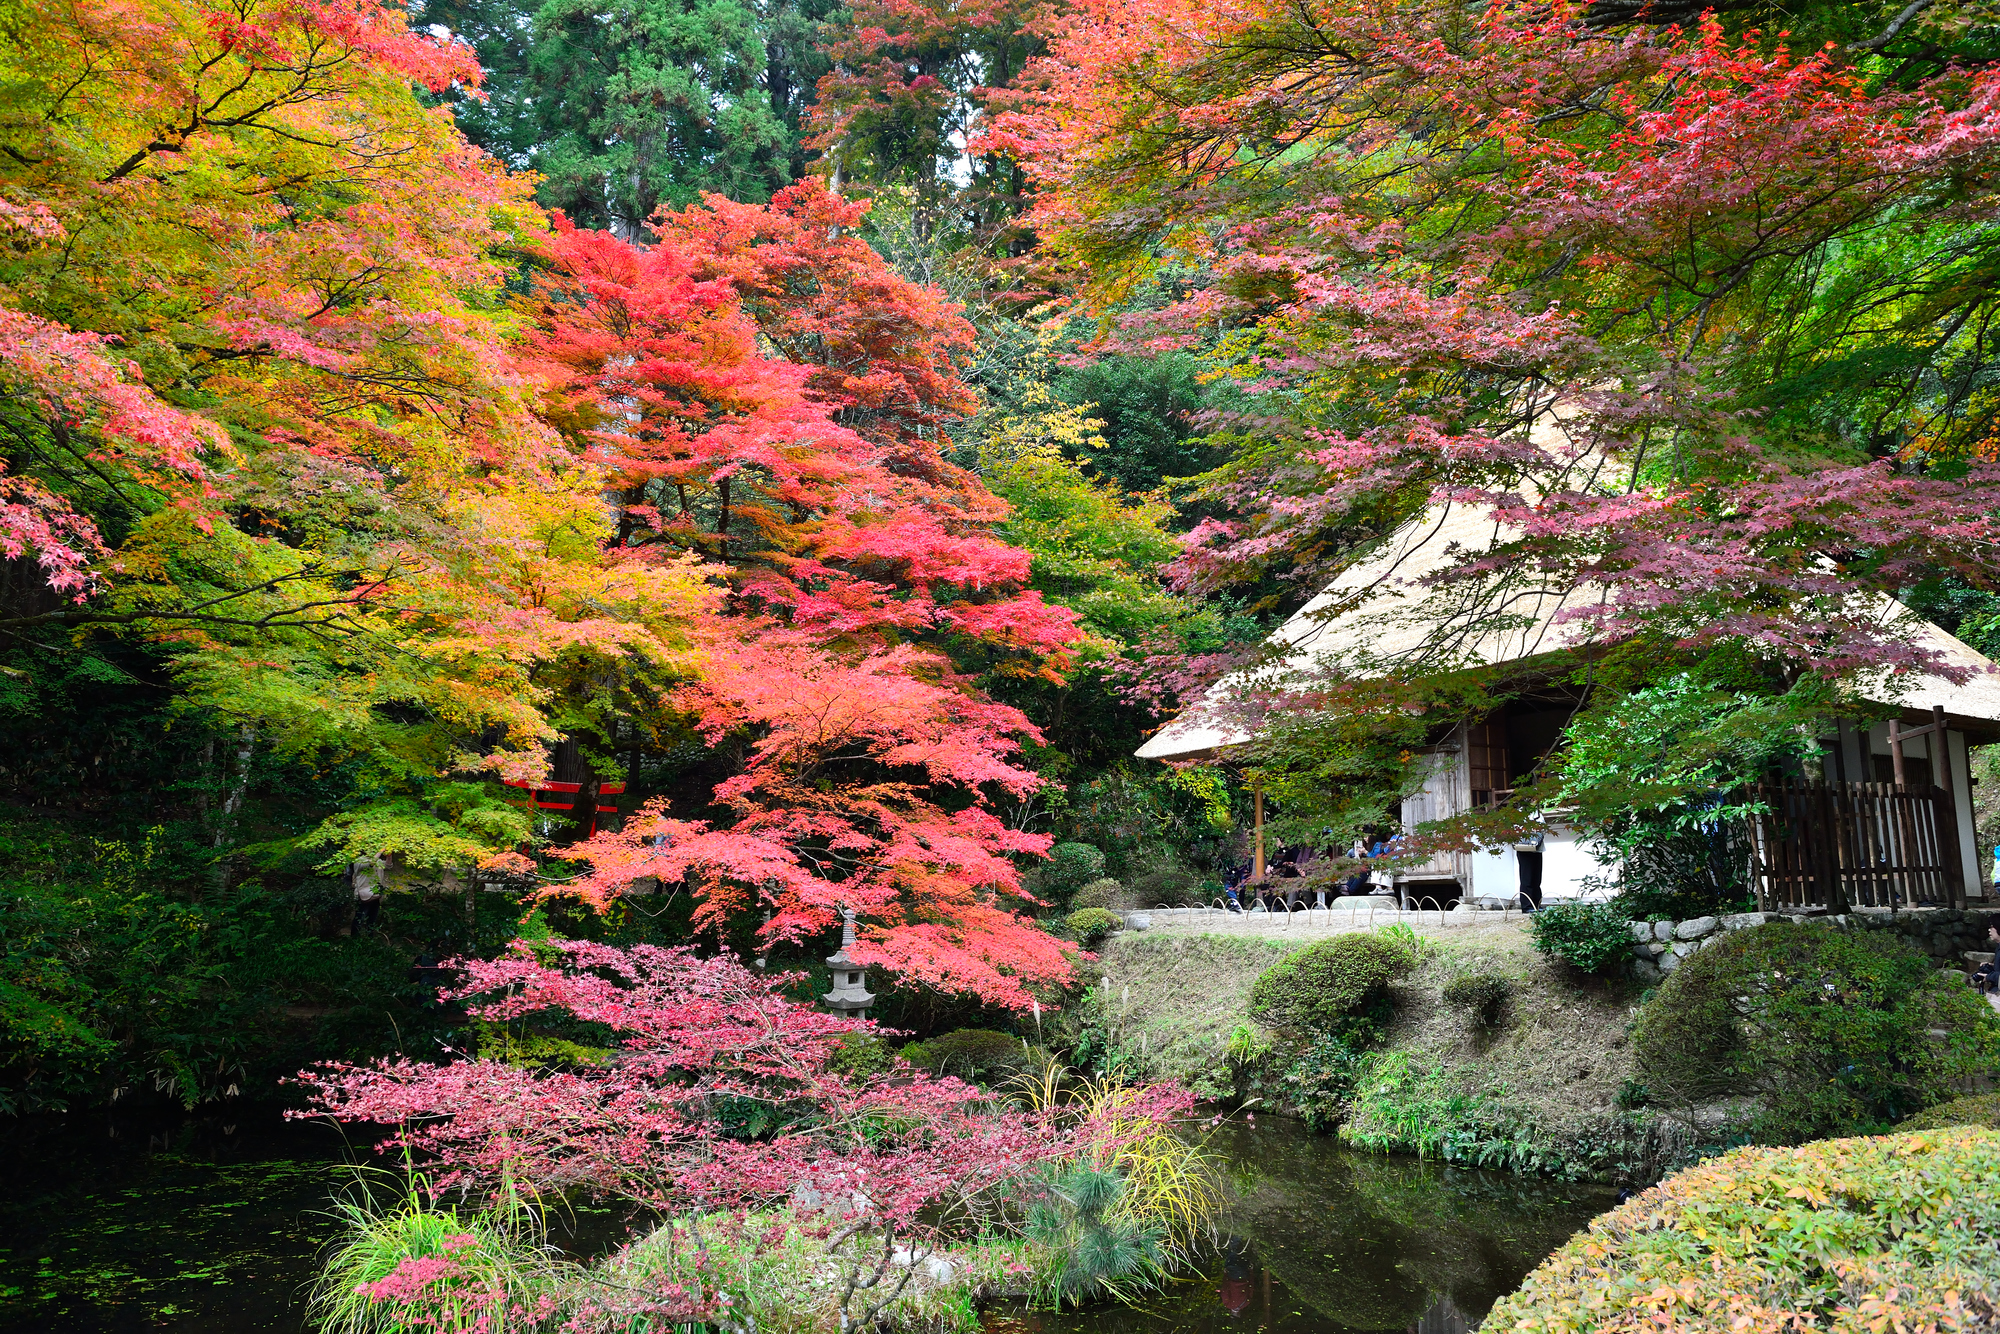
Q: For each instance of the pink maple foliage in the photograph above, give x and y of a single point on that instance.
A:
(1619, 206)
(692, 1042)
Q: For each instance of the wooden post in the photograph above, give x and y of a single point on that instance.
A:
(1953, 864)
(1905, 827)
(1257, 864)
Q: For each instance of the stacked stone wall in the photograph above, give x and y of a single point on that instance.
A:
(1946, 934)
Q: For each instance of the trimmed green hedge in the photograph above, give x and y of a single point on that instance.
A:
(1892, 1233)
(1092, 925)
(1105, 893)
(1324, 984)
(1069, 868)
(1982, 1111)
(982, 1055)
(1833, 1032)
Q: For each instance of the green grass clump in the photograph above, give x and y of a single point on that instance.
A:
(1316, 989)
(416, 1266)
(1897, 1232)
(1483, 995)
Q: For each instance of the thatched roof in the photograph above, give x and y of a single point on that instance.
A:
(1378, 615)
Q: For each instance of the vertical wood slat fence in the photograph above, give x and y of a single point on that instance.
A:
(1856, 845)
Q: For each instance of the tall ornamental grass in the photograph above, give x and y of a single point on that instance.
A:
(419, 1267)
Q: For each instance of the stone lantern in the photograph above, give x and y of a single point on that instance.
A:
(850, 992)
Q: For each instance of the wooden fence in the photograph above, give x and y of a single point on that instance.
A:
(1856, 845)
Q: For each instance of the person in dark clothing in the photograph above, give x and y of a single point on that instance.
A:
(1529, 860)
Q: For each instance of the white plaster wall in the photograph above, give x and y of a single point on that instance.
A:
(1566, 864)
(1495, 874)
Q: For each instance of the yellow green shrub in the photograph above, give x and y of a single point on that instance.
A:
(1897, 1233)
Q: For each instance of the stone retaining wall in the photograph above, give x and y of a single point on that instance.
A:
(1943, 933)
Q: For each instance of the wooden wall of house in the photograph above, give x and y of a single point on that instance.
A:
(1446, 792)
(1858, 754)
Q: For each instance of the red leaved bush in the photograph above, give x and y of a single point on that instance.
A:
(698, 1048)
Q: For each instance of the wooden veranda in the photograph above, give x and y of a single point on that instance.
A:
(1842, 845)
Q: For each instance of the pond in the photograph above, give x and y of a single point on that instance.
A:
(210, 1225)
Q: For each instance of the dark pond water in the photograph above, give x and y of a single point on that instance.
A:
(211, 1226)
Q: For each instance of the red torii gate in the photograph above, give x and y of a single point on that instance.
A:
(540, 795)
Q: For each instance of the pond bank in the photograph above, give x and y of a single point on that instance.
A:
(213, 1225)
(1539, 1090)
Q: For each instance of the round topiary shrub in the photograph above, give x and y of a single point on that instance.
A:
(1092, 925)
(1316, 989)
(1105, 893)
(1591, 936)
(1069, 868)
(1833, 1032)
(1900, 1232)
(1483, 994)
(1982, 1110)
(980, 1055)
(1172, 887)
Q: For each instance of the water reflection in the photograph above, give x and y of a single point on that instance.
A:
(1324, 1241)
(210, 1227)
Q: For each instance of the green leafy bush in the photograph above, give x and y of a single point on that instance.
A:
(1594, 937)
(1172, 887)
(1092, 925)
(1105, 893)
(1483, 994)
(1832, 1031)
(1320, 1083)
(1982, 1110)
(980, 1055)
(1069, 868)
(1324, 986)
(1900, 1232)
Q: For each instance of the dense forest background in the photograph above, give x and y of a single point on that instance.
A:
(836, 428)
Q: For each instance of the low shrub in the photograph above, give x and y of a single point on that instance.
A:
(1069, 868)
(1320, 1083)
(1092, 925)
(1483, 995)
(1170, 887)
(1900, 1232)
(1105, 893)
(1833, 1032)
(1983, 1111)
(1323, 987)
(978, 1055)
(1594, 937)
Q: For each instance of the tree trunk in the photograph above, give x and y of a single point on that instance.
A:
(232, 802)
